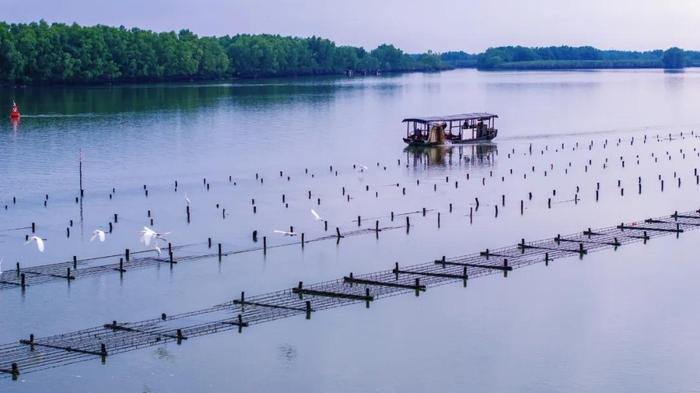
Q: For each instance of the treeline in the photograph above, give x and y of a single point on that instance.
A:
(38, 53)
(566, 57)
(42, 53)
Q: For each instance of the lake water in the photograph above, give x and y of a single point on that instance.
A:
(613, 321)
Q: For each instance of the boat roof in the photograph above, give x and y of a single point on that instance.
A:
(458, 117)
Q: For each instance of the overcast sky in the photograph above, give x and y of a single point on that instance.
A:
(413, 25)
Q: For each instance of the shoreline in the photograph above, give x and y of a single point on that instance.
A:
(234, 80)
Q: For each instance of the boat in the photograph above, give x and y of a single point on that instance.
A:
(14, 113)
(451, 129)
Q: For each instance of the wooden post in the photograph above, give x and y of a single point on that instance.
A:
(179, 336)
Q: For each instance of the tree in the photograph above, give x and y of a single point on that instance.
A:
(389, 57)
(58, 53)
(674, 58)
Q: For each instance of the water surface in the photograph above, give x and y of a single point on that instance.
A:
(614, 321)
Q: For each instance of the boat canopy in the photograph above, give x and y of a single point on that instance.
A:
(448, 118)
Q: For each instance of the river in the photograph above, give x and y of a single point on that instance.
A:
(612, 321)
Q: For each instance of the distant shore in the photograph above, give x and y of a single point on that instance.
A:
(59, 54)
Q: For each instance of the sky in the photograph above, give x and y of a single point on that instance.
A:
(413, 25)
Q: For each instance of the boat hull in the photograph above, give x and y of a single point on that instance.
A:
(424, 143)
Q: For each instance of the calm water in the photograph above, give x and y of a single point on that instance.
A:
(613, 321)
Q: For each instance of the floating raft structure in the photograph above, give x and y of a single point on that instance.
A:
(129, 261)
(34, 354)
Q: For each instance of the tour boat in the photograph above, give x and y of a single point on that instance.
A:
(14, 114)
(451, 129)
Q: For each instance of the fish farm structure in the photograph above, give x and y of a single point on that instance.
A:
(39, 353)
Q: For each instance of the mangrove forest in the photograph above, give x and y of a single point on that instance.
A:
(57, 53)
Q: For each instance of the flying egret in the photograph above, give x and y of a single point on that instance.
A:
(362, 168)
(316, 216)
(148, 235)
(39, 242)
(285, 233)
(98, 234)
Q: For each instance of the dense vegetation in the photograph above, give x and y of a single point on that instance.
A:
(39, 53)
(674, 58)
(566, 57)
(60, 53)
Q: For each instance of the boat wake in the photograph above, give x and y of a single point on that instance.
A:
(59, 115)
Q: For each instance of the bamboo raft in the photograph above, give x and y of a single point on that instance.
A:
(34, 354)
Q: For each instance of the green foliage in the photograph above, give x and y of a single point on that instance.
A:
(38, 53)
(674, 58)
(458, 59)
(566, 57)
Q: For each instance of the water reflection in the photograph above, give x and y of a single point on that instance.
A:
(481, 154)
(287, 353)
(15, 124)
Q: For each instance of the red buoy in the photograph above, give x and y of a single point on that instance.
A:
(14, 114)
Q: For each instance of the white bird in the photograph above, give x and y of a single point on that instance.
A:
(39, 242)
(148, 235)
(316, 216)
(285, 233)
(187, 199)
(98, 234)
(1, 259)
(157, 248)
(362, 168)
